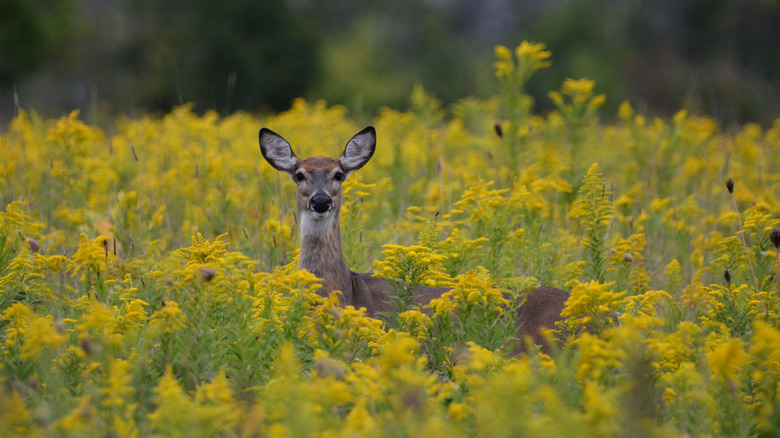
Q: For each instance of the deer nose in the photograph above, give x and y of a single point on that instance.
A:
(321, 203)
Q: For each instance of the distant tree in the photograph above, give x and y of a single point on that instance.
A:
(717, 57)
(226, 55)
(30, 31)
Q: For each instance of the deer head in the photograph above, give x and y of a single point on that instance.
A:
(318, 178)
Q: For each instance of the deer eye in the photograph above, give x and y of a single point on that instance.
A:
(338, 176)
(300, 176)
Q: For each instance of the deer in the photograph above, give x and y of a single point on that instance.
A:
(319, 180)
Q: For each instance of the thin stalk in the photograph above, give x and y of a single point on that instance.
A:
(730, 187)
(774, 237)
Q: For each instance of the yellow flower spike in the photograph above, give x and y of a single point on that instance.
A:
(532, 51)
(597, 360)
(39, 333)
(459, 411)
(600, 410)
(217, 398)
(118, 388)
(625, 111)
(92, 254)
(593, 304)
(171, 402)
(726, 360)
(202, 251)
(416, 323)
(763, 344)
(16, 221)
(78, 421)
(402, 350)
(169, 317)
(70, 133)
(134, 314)
(503, 53)
(359, 422)
(556, 97)
(15, 418)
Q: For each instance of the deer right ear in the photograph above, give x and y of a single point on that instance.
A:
(277, 151)
(359, 150)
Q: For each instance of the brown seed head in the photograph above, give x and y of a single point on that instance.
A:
(727, 275)
(414, 399)
(774, 236)
(628, 258)
(207, 273)
(330, 368)
(86, 346)
(34, 383)
(730, 185)
(499, 131)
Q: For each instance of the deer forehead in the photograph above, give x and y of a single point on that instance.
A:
(318, 165)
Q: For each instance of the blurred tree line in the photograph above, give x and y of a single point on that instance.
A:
(720, 57)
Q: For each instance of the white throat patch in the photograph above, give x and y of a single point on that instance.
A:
(316, 224)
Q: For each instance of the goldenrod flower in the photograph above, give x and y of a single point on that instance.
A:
(119, 388)
(727, 359)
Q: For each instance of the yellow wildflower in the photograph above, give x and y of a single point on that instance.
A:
(170, 317)
(727, 359)
(39, 333)
(118, 388)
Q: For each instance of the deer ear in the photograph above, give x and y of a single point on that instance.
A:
(359, 150)
(277, 151)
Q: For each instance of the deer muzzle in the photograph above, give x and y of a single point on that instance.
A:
(320, 203)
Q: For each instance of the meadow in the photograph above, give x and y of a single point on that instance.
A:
(148, 281)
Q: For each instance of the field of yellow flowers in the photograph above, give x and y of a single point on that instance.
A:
(148, 281)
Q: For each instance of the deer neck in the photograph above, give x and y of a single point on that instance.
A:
(321, 254)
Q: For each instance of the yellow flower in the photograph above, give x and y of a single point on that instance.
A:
(98, 317)
(20, 317)
(625, 111)
(416, 323)
(458, 411)
(171, 405)
(70, 132)
(726, 360)
(601, 410)
(597, 360)
(360, 422)
(92, 254)
(14, 220)
(592, 303)
(78, 421)
(134, 314)
(202, 251)
(170, 317)
(669, 395)
(503, 53)
(442, 306)
(15, 418)
(219, 398)
(41, 333)
(402, 350)
(504, 65)
(411, 266)
(119, 388)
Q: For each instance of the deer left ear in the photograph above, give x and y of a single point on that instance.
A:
(359, 150)
(277, 151)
